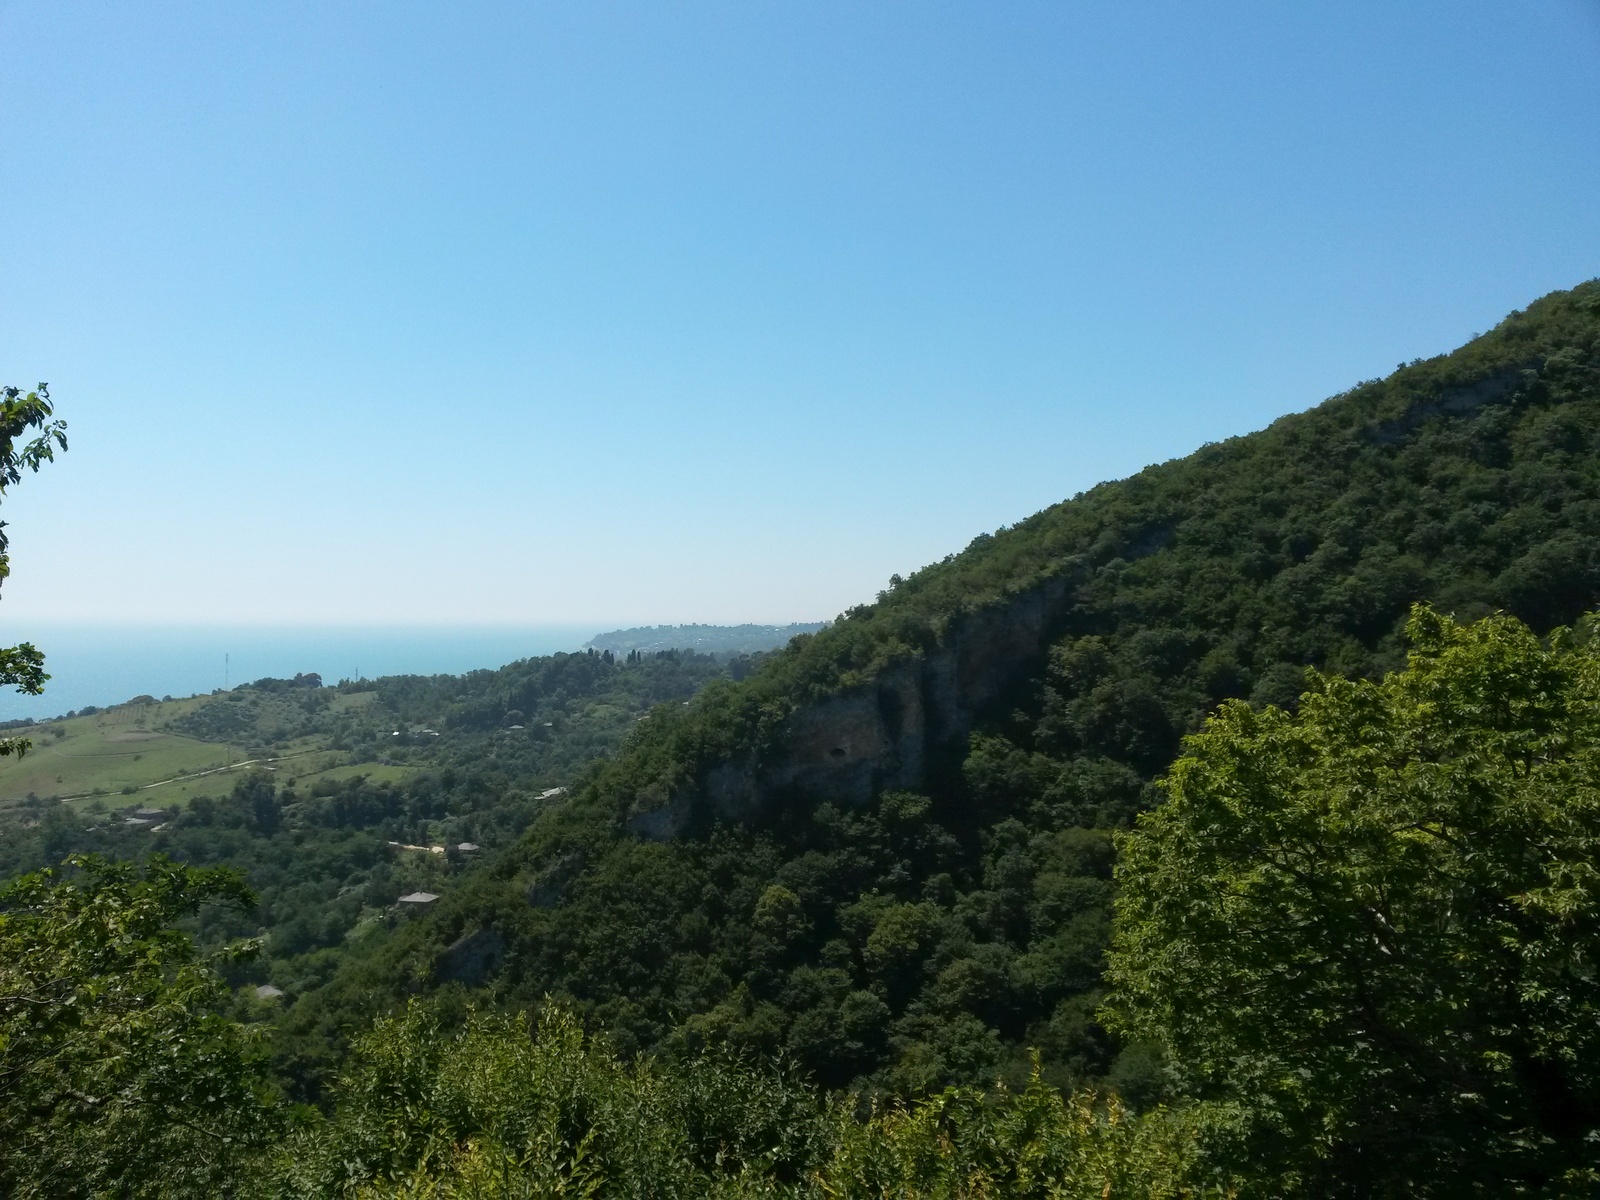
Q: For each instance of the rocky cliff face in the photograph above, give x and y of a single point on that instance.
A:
(897, 731)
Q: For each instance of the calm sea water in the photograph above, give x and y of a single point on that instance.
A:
(104, 665)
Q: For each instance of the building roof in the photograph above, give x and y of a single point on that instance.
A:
(267, 992)
(468, 847)
(418, 898)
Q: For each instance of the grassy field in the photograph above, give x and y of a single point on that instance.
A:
(130, 754)
(375, 772)
(118, 751)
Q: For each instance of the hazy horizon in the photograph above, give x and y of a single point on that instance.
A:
(100, 664)
(96, 662)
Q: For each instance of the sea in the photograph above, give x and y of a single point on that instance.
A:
(102, 665)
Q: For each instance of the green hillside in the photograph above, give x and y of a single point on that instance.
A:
(329, 800)
(887, 855)
(163, 753)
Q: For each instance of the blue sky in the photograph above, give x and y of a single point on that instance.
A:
(611, 313)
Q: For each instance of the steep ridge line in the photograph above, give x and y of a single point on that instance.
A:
(910, 721)
(887, 853)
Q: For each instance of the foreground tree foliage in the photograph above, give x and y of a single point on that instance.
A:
(491, 1111)
(117, 1075)
(1376, 923)
(22, 665)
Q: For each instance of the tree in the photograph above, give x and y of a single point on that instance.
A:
(117, 1075)
(23, 665)
(499, 1106)
(1377, 921)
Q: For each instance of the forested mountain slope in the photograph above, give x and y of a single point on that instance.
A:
(887, 854)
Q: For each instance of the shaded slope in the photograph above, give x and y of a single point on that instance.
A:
(887, 853)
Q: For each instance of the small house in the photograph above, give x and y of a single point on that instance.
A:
(418, 899)
(267, 992)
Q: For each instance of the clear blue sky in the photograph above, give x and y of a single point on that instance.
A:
(455, 312)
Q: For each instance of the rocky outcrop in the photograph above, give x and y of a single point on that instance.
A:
(549, 888)
(1491, 389)
(471, 959)
(890, 733)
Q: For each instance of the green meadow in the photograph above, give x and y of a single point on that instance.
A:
(140, 754)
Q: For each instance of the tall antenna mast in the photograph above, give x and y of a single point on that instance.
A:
(224, 672)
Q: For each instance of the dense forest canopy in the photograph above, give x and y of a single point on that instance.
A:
(1372, 923)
